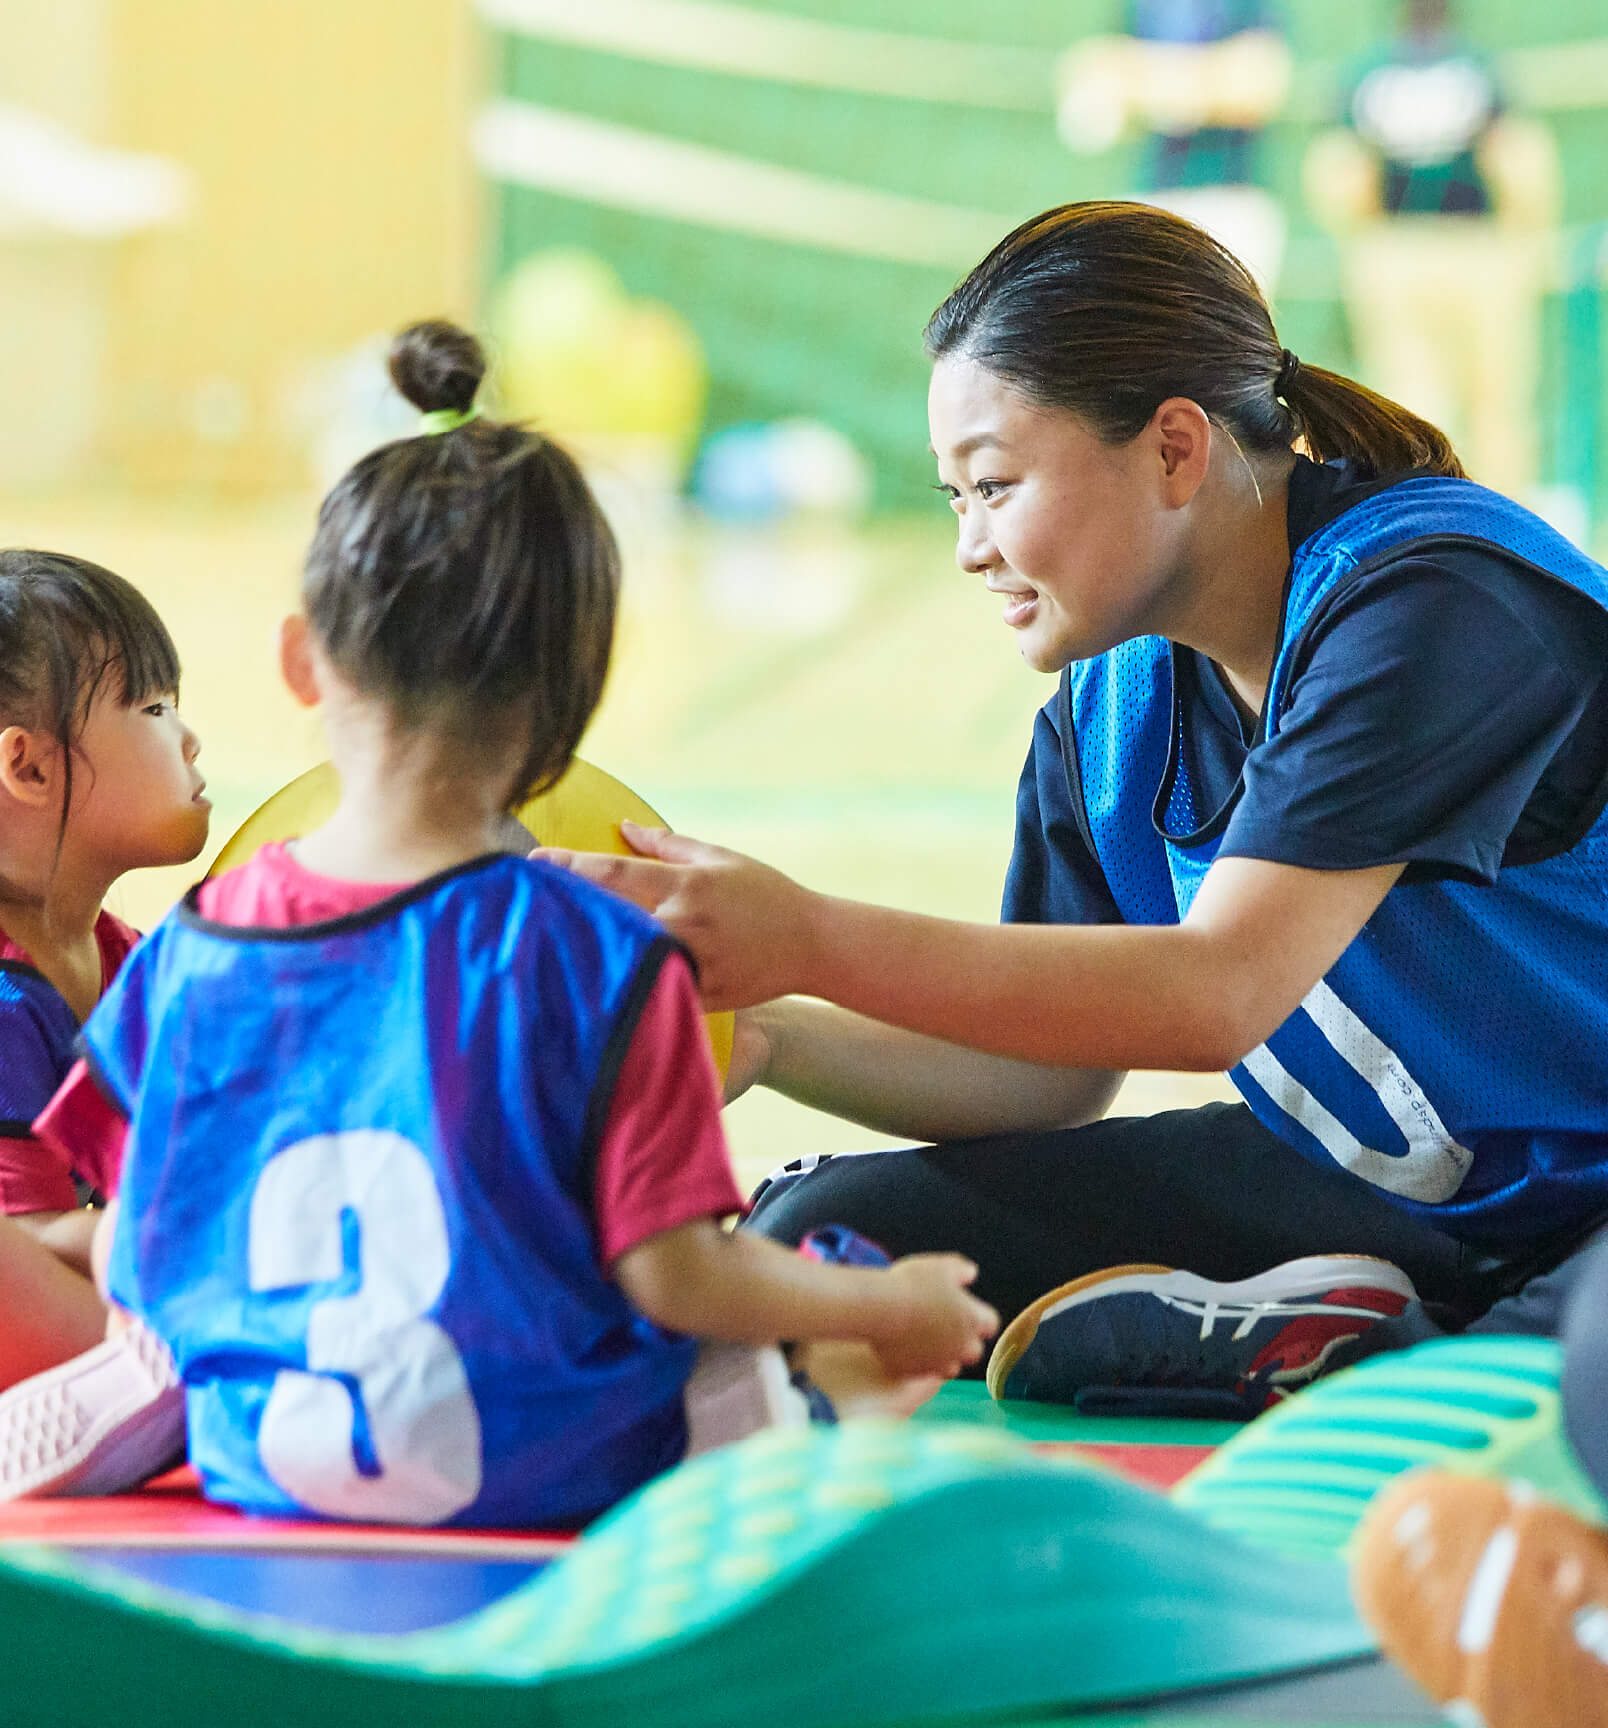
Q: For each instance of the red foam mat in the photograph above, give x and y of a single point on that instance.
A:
(1156, 1466)
(170, 1513)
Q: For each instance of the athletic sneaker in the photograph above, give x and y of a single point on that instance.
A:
(99, 1423)
(1494, 1601)
(1148, 1340)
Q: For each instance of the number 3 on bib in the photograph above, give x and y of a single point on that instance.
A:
(422, 1426)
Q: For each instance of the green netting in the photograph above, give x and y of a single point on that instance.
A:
(793, 329)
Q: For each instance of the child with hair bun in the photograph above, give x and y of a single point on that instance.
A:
(97, 777)
(424, 1167)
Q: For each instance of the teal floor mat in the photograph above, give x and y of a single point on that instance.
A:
(959, 1569)
(1299, 1478)
(873, 1575)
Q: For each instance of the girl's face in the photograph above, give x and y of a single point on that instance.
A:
(1075, 534)
(138, 797)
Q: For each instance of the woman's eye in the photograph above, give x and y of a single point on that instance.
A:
(987, 489)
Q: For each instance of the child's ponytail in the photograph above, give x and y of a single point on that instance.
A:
(466, 576)
(437, 367)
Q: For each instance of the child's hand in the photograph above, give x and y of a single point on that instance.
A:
(940, 1327)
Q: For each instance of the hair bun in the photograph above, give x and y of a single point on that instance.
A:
(436, 365)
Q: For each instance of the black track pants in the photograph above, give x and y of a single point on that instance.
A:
(1210, 1190)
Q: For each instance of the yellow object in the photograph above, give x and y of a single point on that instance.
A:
(331, 229)
(583, 361)
(582, 813)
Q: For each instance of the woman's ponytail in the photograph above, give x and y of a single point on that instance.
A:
(1339, 418)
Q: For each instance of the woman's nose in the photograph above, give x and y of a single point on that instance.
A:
(974, 550)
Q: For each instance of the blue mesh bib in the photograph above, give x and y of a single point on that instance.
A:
(1454, 1056)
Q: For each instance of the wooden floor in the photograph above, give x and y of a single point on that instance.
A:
(844, 704)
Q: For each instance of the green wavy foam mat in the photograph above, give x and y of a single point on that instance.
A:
(1299, 1478)
(872, 1574)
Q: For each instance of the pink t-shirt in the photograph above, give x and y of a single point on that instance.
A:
(32, 1176)
(662, 1160)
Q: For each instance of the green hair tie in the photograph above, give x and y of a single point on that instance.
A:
(446, 420)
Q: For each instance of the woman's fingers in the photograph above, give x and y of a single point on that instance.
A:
(640, 880)
(671, 848)
(745, 923)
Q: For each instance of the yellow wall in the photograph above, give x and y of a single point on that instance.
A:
(328, 140)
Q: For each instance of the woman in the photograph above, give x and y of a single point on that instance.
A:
(1319, 800)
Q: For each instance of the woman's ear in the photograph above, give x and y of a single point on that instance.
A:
(1184, 439)
(29, 767)
(297, 662)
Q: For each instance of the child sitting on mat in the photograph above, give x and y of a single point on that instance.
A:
(97, 777)
(424, 1165)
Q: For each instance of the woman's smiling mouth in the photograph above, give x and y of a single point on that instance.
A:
(1020, 605)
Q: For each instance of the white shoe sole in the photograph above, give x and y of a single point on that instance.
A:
(1294, 1281)
(100, 1423)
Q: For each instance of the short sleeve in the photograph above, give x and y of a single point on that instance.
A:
(662, 1158)
(85, 1131)
(1053, 877)
(1438, 704)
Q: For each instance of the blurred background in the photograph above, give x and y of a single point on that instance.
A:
(703, 237)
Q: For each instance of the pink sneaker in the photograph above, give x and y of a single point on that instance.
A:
(98, 1423)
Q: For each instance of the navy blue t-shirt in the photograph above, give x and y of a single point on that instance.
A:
(1449, 711)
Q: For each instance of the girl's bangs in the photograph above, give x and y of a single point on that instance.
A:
(122, 636)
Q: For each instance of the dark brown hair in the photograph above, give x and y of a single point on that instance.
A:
(1107, 309)
(66, 627)
(467, 578)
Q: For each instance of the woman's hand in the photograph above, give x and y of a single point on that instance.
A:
(749, 927)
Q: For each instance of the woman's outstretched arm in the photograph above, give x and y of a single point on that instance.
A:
(1196, 995)
(905, 1084)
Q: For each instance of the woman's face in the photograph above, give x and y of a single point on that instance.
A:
(1075, 534)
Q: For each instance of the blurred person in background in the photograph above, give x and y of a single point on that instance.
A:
(1442, 202)
(1201, 80)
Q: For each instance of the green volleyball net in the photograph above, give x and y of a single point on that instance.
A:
(801, 183)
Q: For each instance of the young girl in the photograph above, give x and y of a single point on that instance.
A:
(424, 1168)
(1319, 800)
(97, 776)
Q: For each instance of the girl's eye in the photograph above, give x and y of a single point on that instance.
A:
(157, 709)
